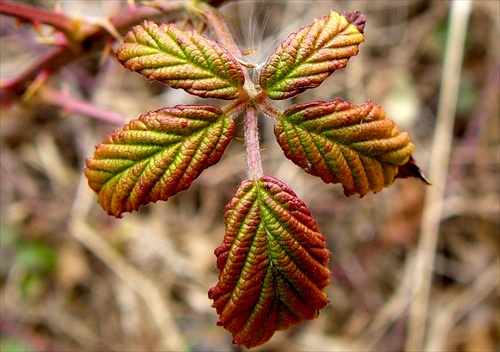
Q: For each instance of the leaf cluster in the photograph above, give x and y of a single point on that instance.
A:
(273, 261)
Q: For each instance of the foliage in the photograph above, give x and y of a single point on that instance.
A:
(273, 261)
(157, 156)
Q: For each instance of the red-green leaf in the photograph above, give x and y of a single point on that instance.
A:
(306, 58)
(272, 263)
(356, 146)
(156, 156)
(182, 59)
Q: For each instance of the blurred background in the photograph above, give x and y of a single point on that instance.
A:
(74, 279)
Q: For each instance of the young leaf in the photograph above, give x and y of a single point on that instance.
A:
(306, 58)
(273, 263)
(182, 59)
(156, 156)
(340, 142)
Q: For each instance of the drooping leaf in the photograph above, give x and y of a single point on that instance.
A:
(156, 156)
(356, 146)
(306, 58)
(411, 169)
(273, 263)
(182, 59)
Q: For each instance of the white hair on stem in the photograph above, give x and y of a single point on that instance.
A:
(257, 45)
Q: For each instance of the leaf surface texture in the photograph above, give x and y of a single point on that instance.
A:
(306, 58)
(272, 263)
(356, 146)
(182, 59)
(157, 156)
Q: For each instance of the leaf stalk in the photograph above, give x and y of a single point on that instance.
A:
(254, 162)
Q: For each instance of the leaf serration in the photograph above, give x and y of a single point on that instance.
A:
(356, 146)
(273, 263)
(157, 156)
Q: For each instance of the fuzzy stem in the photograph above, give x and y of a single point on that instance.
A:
(219, 29)
(254, 162)
(267, 107)
(223, 36)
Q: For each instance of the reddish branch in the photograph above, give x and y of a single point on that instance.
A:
(83, 38)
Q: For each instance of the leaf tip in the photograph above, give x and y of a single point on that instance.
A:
(357, 19)
(411, 169)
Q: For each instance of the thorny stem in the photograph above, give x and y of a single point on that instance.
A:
(93, 38)
(37, 16)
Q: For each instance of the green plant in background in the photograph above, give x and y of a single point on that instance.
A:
(31, 261)
(14, 345)
(273, 259)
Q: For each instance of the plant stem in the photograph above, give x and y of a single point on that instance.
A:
(73, 105)
(93, 38)
(35, 15)
(219, 29)
(254, 162)
(223, 36)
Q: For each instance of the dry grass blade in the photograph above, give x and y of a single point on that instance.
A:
(443, 319)
(158, 308)
(440, 156)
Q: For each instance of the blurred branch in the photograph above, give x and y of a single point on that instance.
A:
(37, 16)
(145, 288)
(74, 105)
(53, 313)
(91, 37)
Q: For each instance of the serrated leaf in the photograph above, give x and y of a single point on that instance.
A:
(273, 263)
(306, 58)
(356, 146)
(182, 59)
(156, 156)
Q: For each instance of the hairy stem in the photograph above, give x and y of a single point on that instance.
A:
(222, 34)
(267, 107)
(254, 163)
(219, 29)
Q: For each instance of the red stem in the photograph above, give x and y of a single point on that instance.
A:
(250, 93)
(220, 30)
(93, 38)
(32, 14)
(73, 105)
